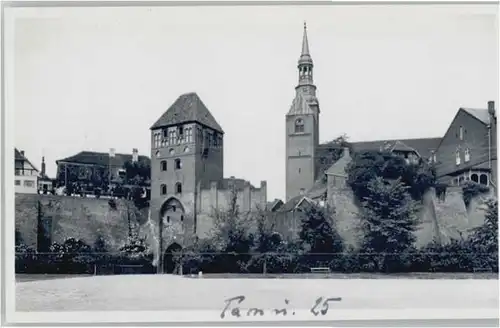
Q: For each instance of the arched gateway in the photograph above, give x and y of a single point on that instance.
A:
(170, 226)
(170, 262)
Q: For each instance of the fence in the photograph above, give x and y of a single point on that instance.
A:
(271, 262)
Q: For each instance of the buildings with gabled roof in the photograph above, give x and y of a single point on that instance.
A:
(466, 152)
(25, 174)
(91, 169)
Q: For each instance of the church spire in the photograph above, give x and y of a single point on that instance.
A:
(305, 45)
(305, 64)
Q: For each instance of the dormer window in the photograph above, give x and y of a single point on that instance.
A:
(299, 125)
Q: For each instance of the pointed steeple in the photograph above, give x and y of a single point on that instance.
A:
(305, 55)
(305, 64)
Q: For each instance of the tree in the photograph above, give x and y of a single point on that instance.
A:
(331, 151)
(137, 173)
(265, 255)
(231, 236)
(368, 165)
(318, 236)
(484, 239)
(388, 223)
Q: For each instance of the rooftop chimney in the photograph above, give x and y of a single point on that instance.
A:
(43, 165)
(491, 108)
(135, 155)
(346, 152)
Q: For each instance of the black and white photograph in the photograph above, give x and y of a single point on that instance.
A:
(250, 163)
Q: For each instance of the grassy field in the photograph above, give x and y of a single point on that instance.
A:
(167, 292)
(482, 275)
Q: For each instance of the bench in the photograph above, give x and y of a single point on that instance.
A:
(129, 268)
(320, 270)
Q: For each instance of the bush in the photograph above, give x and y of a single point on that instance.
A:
(471, 190)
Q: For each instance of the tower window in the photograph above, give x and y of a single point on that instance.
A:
(467, 155)
(163, 189)
(163, 165)
(180, 134)
(189, 135)
(178, 188)
(299, 125)
(178, 164)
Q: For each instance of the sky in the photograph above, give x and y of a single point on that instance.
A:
(98, 78)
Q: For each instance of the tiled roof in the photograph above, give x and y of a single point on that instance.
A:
(318, 189)
(20, 157)
(424, 146)
(101, 159)
(480, 114)
(300, 106)
(188, 108)
(292, 203)
(17, 154)
(274, 205)
(401, 146)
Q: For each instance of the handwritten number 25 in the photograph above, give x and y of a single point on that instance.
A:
(324, 305)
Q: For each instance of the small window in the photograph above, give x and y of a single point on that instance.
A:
(299, 169)
(461, 133)
(299, 125)
(163, 189)
(17, 182)
(163, 165)
(171, 151)
(467, 155)
(178, 188)
(186, 150)
(182, 217)
(165, 133)
(457, 157)
(302, 191)
(168, 219)
(28, 183)
(158, 153)
(178, 164)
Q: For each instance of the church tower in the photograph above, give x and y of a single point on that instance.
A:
(302, 128)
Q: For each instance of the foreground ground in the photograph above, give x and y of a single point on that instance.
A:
(166, 292)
